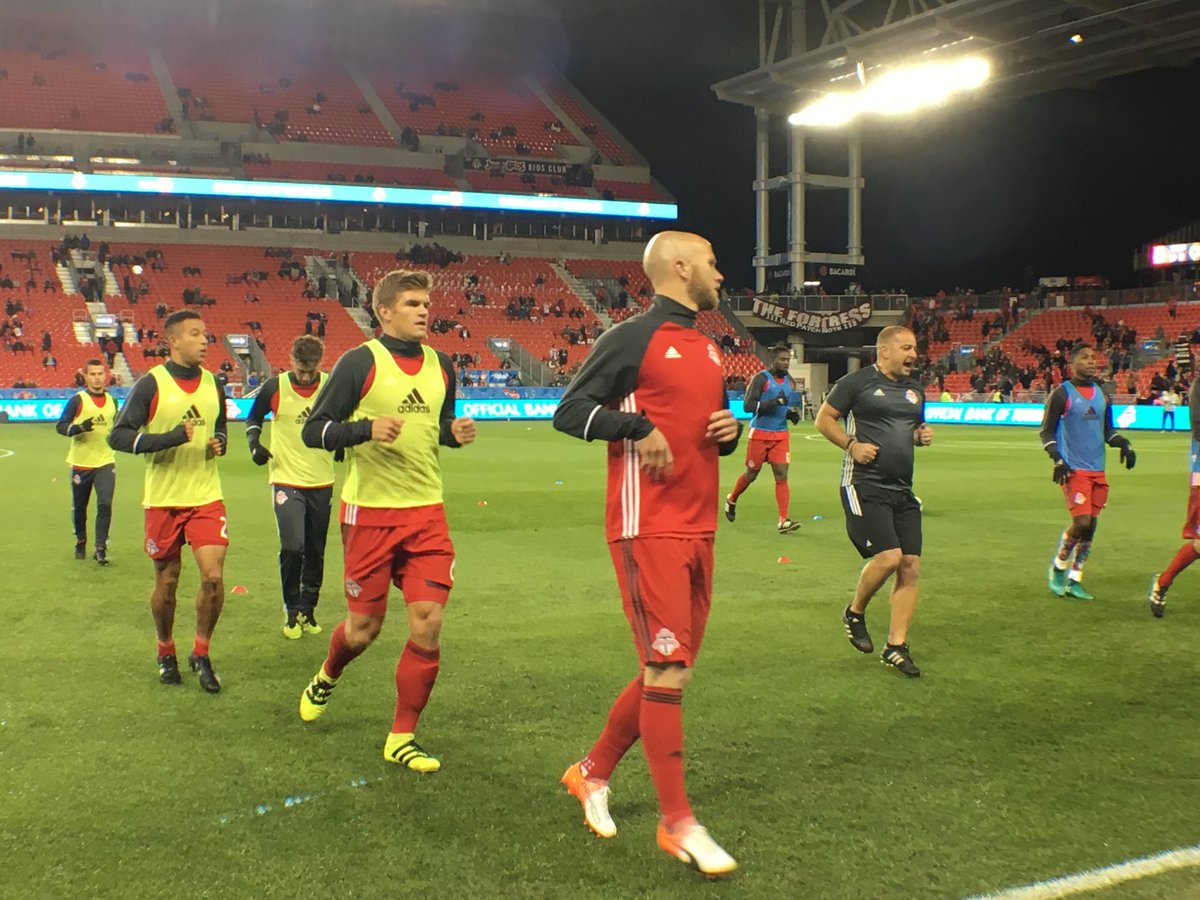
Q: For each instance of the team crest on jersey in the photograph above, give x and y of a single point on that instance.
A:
(413, 403)
(353, 588)
(714, 355)
(665, 642)
(192, 415)
(281, 498)
(303, 417)
(911, 396)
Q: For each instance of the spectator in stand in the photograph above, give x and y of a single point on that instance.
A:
(47, 340)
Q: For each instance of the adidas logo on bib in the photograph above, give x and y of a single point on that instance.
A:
(413, 403)
(672, 353)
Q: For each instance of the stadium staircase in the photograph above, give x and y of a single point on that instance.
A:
(584, 293)
(373, 100)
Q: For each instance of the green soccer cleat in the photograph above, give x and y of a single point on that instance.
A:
(291, 628)
(1056, 579)
(308, 621)
(1078, 591)
(401, 749)
(316, 696)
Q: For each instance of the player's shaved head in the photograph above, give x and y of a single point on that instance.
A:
(682, 266)
(893, 333)
(1080, 348)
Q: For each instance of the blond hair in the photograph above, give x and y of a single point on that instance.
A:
(396, 282)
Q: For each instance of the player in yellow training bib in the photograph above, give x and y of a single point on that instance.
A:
(86, 420)
(301, 480)
(389, 406)
(175, 417)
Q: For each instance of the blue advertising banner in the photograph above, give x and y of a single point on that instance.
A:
(482, 404)
(1129, 418)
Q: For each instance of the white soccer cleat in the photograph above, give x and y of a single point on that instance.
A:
(593, 798)
(693, 845)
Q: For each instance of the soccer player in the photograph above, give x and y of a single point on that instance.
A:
(301, 480)
(1190, 551)
(768, 397)
(388, 406)
(175, 417)
(652, 388)
(86, 420)
(884, 409)
(1075, 427)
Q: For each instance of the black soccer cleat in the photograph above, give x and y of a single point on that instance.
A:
(730, 509)
(898, 657)
(202, 665)
(101, 556)
(787, 526)
(856, 630)
(168, 670)
(1157, 598)
(81, 550)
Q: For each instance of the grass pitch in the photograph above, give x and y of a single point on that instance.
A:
(1047, 736)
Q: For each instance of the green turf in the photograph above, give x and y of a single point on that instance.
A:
(1047, 736)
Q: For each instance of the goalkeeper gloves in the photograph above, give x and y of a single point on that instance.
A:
(793, 416)
(1128, 456)
(1062, 472)
(87, 424)
(259, 454)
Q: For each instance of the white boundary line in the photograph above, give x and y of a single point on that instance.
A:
(1104, 877)
(4, 454)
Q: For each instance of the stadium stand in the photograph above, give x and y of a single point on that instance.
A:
(497, 284)
(608, 144)
(241, 76)
(622, 286)
(76, 74)
(39, 311)
(503, 114)
(280, 309)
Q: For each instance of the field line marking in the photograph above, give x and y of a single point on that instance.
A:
(4, 454)
(292, 800)
(1103, 877)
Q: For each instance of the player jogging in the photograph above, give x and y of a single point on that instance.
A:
(175, 417)
(301, 480)
(1076, 426)
(1190, 551)
(388, 406)
(87, 420)
(768, 397)
(884, 409)
(652, 388)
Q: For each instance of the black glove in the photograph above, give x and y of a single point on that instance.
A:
(1062, 472)
(781, 400)
(793, 416)
(87, 424)
(259, 454)
(1128, 456)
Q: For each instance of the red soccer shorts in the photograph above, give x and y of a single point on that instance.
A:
(1086, 493)
(168, 528)
(1191, 528)
(416, 556)
(773, 449)
(666, 589)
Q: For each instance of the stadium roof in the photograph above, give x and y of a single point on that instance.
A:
(1029, 42)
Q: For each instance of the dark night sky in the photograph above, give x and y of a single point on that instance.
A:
(1067, 183)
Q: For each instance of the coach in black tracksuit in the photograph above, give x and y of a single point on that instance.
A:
(86, 420)
(301, 481)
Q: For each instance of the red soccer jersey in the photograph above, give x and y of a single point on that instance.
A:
(653, 371)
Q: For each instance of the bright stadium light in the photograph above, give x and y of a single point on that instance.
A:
(897, 92)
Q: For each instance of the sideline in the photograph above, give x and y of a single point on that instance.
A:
(1103, 877)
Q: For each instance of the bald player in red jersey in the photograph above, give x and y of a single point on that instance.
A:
(653, 388)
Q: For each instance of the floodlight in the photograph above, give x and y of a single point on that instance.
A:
(897, 91)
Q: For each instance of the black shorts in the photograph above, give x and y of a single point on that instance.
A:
(879, 519)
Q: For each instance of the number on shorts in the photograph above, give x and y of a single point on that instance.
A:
(224, 529)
